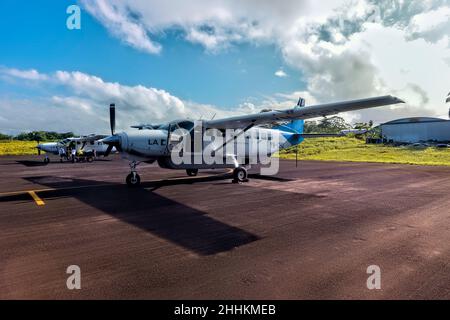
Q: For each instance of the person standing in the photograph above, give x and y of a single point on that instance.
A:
(74, 153)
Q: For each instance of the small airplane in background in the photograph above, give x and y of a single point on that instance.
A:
(90, 146)
(154, 143)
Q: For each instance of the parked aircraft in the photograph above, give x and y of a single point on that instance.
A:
(91, 146)
(156, 143)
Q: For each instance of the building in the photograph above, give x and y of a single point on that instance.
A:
(413, 130)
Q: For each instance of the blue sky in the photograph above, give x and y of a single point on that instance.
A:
(41, 41)
(159, 60)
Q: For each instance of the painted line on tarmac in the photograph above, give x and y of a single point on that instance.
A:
(32, 193)
(36, 198)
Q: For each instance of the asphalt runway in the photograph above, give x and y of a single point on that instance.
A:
(308, 233)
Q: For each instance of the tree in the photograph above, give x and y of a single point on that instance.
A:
(363, 125)
(5, 137)
(332, 125)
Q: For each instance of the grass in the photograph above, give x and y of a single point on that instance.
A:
(15, 148)
(323, 149)
(354, 150)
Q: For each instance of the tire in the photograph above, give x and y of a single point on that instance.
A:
(90, 159)
(133, 181)
(46, 160)
(240, 174)
(192, 172)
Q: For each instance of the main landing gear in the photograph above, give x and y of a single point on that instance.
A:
(240, 175)
(133, 179)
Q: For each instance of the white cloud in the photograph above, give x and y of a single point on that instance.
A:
(84, 109)
(22, 74)
(345, 49)
(281, 74)
(116, 19)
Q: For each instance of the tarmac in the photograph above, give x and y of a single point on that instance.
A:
(309, 232)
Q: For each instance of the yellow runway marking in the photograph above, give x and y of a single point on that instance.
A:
(36, 199)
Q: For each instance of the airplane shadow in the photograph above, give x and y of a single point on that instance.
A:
(269, 178)
(180, 224)
(40, 163)
(29, 163)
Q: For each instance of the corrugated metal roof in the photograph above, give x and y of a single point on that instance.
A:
(415, 120)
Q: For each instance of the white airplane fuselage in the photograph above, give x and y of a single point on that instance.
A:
(53, 147)
(156, 145)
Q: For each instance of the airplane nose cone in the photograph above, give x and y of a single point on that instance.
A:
(112, 140)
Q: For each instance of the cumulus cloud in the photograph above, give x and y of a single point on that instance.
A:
(21, 74)
(345, 49)
(117, 18)
(83, 108)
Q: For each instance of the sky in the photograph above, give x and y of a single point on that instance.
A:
(165, 60)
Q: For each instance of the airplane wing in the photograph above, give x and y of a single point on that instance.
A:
(93, 137)
(248, 121)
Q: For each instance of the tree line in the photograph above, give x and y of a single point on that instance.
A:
(38, 136)
(334, 125)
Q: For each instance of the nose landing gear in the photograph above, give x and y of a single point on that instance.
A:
(240, 175)
(192, 172)
(133, 179)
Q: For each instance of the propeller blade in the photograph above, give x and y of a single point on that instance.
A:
(112, 118)
(112, 141)
(108, 151)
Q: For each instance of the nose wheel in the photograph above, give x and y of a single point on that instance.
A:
(192, 172)
(133, 179)
(240, 175)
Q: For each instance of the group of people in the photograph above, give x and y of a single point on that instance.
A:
(68, 152)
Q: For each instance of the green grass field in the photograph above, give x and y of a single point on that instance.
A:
(17, 148)
(324, 149)
(351, 149)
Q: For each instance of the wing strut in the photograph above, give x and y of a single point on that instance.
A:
(236, 136)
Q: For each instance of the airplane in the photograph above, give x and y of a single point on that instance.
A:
(88, 144)
(155, 143)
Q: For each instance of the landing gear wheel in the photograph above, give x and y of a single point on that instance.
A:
(192, 172)
(133, 180)
(240, 175)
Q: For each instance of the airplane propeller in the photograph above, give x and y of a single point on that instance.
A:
(112, 118)
(113, 140)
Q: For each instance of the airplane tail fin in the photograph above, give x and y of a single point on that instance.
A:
(295, 126)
